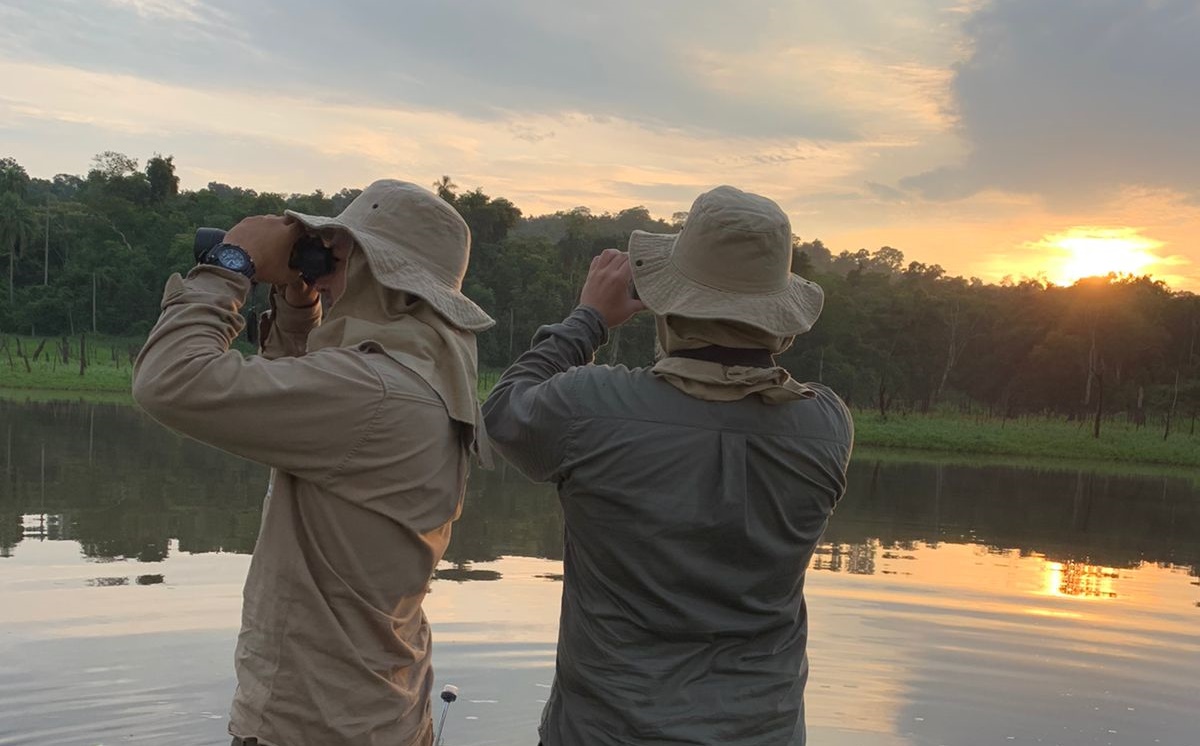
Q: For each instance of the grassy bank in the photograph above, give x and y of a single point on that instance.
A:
(1033, 437)
(867, 453)
(107, 378)
(109, 363)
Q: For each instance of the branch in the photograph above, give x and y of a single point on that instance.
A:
(116, 230)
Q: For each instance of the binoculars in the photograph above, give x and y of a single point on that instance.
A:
(309, 254)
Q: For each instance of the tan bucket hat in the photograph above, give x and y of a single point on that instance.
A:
(414, 242)
(732, 261)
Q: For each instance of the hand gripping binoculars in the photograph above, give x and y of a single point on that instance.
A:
(309, 254)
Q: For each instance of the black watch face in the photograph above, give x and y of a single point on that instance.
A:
(233, 259)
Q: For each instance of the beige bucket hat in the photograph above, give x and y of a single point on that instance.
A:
(732, 261)
(415, 242)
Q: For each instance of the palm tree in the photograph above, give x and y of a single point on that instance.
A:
(13, 177)
(17, 228)
(445, 189)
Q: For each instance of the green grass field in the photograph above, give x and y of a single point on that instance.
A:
(109, 368)
(1035, 439)
(1032, 437)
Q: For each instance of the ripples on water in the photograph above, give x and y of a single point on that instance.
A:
(950, 604)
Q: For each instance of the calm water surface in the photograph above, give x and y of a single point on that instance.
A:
(950, 604)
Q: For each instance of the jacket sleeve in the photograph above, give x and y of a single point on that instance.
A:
(283, 330)
(529, 413)
(303, 415)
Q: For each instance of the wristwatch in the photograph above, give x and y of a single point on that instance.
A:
(230, 257)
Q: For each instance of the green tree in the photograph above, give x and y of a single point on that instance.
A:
(17, 227)
(446, 189)
(160, 172)
(13, 178)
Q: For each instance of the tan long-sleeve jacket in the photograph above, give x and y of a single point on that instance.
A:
(368, 471)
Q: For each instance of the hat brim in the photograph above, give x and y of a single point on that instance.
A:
(668, 292)
(394, 270)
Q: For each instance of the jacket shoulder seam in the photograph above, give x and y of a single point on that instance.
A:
(694, 426)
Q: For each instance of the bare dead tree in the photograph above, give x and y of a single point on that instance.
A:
(21, 354)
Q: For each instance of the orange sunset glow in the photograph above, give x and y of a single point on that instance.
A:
(1096, 252)
(870, 125)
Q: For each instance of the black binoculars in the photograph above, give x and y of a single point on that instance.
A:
(309, 254)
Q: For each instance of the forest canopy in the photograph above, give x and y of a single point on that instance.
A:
(895, 334)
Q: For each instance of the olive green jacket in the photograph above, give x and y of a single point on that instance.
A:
(689, 525)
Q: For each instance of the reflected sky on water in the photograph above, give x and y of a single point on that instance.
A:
(950, 604)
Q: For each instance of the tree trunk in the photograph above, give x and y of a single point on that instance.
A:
(1087, 394)
(83, 352)
(21, 354)
(46, 249)
(1099, 403)
(511, 317)
(1171, 409)
(953, 351)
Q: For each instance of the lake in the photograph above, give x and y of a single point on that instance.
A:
(950, 603)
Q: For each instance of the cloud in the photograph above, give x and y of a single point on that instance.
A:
(770, 69)
(1075, 99)
(529, 134)
(885, 193)
(56, 117)
(825, 107)
(185, 10)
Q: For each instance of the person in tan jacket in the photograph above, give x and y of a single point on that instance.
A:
(367, 418)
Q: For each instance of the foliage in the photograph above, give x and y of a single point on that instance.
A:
(896, 337)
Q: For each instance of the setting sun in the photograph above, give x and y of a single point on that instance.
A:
(1096, 252)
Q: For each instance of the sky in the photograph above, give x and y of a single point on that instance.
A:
(997, 138)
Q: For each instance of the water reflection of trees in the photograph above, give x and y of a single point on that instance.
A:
(1067, 516)
(504, 514)
(856, 559)
(122, 486)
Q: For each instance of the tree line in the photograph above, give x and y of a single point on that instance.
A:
(89, 254)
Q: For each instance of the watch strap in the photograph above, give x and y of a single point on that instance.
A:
(215, 254)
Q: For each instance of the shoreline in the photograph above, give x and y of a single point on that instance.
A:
(1034, 439)
(1034, 442)
(86, 396)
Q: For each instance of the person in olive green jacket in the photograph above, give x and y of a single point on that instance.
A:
(367, 417)
(694, 492)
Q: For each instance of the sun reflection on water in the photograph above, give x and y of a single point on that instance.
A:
(1079, 580)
